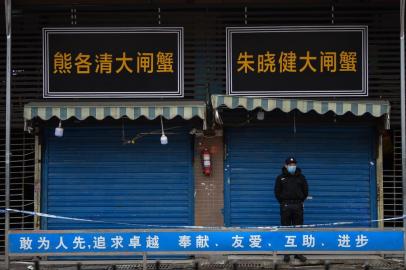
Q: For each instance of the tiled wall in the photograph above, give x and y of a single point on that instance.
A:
(209, 189)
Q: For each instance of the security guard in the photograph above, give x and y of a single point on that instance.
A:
(291, 190)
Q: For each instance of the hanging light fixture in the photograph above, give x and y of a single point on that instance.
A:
(164, 139)
(59, 130)
(217, 118)
(260, 115)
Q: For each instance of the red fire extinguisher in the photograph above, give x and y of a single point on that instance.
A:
(206, 162)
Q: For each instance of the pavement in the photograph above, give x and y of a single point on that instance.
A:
(330, 262)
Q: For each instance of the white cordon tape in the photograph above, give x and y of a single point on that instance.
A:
(272, 228)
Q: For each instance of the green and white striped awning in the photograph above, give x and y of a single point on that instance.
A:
(376, 108)
(116, 110)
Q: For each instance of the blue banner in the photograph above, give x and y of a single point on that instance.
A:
(49, 242)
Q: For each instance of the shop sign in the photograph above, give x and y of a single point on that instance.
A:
(297, 61)
(116, 241)
(113, 62)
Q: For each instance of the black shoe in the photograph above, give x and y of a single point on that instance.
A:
(301, 258)
(286, 258)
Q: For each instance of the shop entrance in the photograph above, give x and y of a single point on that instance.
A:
(338, 162)
(92, 173)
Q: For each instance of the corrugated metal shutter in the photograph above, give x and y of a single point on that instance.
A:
(89, 173)
(338, 163)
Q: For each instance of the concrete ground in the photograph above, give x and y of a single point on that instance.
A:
(314, 262)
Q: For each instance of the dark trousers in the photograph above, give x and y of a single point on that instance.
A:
(291, 214)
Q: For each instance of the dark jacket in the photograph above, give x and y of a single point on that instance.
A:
(290, 187)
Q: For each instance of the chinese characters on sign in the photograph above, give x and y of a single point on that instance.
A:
(127, 242)
(297, 61)
(106, 63)
(113, 62)
(289, 62)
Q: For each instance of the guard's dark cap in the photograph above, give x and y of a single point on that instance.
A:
(290, 160)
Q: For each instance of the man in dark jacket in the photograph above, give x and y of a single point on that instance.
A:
(291, 190)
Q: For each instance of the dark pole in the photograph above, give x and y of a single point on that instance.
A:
(8, 112)
(402, 111)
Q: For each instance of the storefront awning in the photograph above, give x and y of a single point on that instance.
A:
(376, 108)
(116, 110)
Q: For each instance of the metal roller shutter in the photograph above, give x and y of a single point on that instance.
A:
(338, 163)
(89, 173)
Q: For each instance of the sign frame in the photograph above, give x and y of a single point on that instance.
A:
(48, 93)
(225, 234)
(297, 93)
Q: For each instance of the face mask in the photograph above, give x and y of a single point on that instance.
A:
(291, 169)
